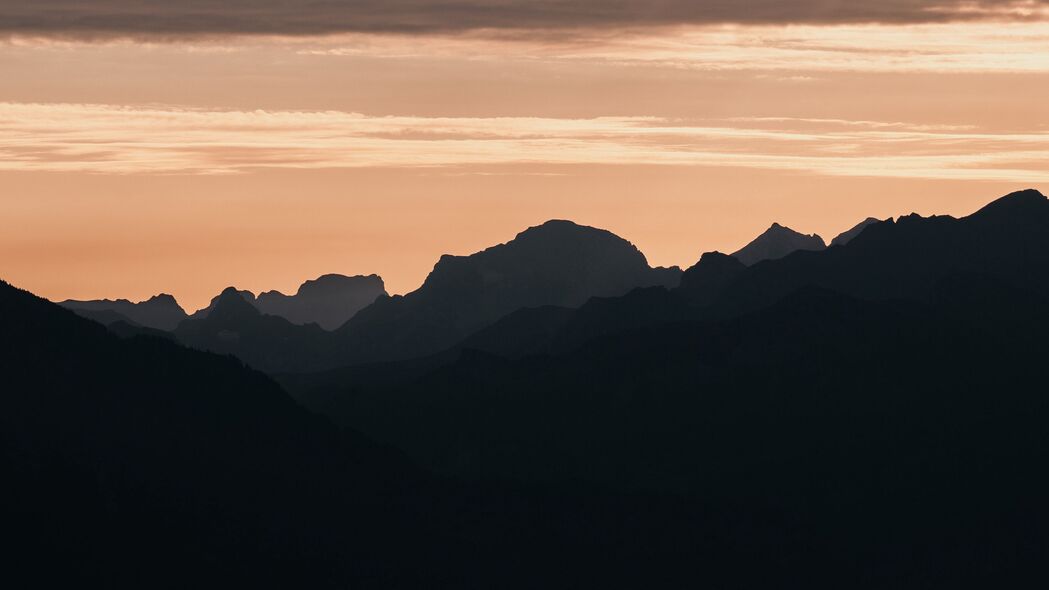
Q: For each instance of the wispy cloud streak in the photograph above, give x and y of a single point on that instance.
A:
(168, 140)
(314, 17)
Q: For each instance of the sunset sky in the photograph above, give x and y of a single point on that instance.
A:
(184, 146)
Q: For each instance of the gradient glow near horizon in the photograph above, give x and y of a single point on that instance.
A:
(186, 148)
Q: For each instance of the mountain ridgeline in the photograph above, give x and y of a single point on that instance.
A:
(558, 263)
(878, 407)
(328, 301)
(160, 312)
(914, 265)
(553, 411)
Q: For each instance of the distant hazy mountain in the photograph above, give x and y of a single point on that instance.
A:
(777, 242)
(328, 301)
(558, 263)
(160, 312)
(205, 311)
(234, 325)
(847, 236)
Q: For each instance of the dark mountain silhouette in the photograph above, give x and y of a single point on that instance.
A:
(871, 415)
(558, 264)
(160, 312)
(124, 329)
(546, 330)
(881, 267)
(137, 462)
(903, 259)
(894, 438)
(847, 236)
(131, 460)
(327, 301)
(777, 242)
(702, 283)
(206, 311)
(907, 260)
(526, 331)
(234, 325)
(105, 317)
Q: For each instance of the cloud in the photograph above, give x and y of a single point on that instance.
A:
(107, 139)
(168, 18)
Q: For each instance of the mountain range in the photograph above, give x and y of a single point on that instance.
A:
(160, 312)
(467, 301)
(913, 263)
(558, 263)
(554, 411)
(328, 301)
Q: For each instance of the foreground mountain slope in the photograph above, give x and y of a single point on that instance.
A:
(140, 461)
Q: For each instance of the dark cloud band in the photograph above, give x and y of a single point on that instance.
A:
(310, 17)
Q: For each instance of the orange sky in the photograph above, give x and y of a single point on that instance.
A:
(131, 167)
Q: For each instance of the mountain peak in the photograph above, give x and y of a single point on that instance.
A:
(328, 301)
(160, 312)
(849, 235)
(776, 242)
(716, 258)
(558, 263)
(337, 282)
(555, 228)
(163, 299)
(714, 271)
(1013, 202)
(232, 304)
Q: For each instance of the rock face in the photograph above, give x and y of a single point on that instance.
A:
(160, 312)
(848, 236)
(558, 263)
(777, 242)
(328, 301)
